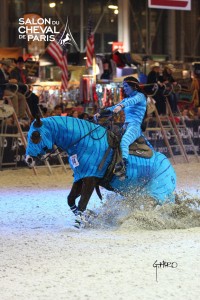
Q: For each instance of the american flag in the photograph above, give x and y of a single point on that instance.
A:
(89, 45)
(58, 52)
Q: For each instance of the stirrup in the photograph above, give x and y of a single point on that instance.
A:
(122, 177)
(120, 169)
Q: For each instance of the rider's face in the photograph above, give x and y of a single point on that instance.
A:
(127, 88)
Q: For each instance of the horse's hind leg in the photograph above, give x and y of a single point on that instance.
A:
(88, 186)
(73, 195)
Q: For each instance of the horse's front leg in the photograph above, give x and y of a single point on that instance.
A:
(73, 195)
(88, 185)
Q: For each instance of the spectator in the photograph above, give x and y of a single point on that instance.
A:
(195, 90)
(74, 114)
(20, 74)
(197, 113)
(106, 69)
(169, 79)
(118, 59)
(57, 111)
(18, 99)
(155, 77)
(84, 116)
(185, 113)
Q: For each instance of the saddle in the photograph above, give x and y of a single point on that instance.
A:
(138, 148)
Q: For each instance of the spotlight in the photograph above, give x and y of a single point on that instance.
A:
(52, 4)
(113, 6)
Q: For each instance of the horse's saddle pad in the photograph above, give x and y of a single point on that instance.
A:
(140, 148)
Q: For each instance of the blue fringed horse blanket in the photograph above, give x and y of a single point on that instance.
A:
(86, 144)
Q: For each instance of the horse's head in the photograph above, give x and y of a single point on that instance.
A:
(39, 140)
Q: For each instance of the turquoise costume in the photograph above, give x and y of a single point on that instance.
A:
(86, 144)
(134, 108)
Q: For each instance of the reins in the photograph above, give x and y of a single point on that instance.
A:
(49, 154)
(76, 142)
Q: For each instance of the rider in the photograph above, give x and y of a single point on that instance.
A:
(134, 106)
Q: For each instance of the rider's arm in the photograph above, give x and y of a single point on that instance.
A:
(132, 100)
(124, 103)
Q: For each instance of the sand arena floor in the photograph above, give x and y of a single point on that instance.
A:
(43, 257)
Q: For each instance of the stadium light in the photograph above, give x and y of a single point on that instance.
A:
(113, 6)
(52, 4)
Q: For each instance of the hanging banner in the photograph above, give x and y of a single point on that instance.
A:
(118, 46)
(170, 4)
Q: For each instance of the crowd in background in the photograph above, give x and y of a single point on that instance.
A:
(187, 113)
(15, 85)
(164, 78)
(15, 73)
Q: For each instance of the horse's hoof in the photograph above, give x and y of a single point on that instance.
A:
(77, 224)
(81, 220)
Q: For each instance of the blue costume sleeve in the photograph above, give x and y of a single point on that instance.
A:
(111, 108)
(132, 100)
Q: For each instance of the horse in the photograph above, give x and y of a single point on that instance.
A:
(90, 156)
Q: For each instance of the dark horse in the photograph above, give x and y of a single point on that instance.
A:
(87, 145)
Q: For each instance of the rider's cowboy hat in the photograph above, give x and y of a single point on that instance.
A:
(155, 65)
(171, 67)
(6, 62)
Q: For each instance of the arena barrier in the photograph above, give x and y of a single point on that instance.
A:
(14, 149)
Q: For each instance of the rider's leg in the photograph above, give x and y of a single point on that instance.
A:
(131, 134)
(22, 105)
(14, 100)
